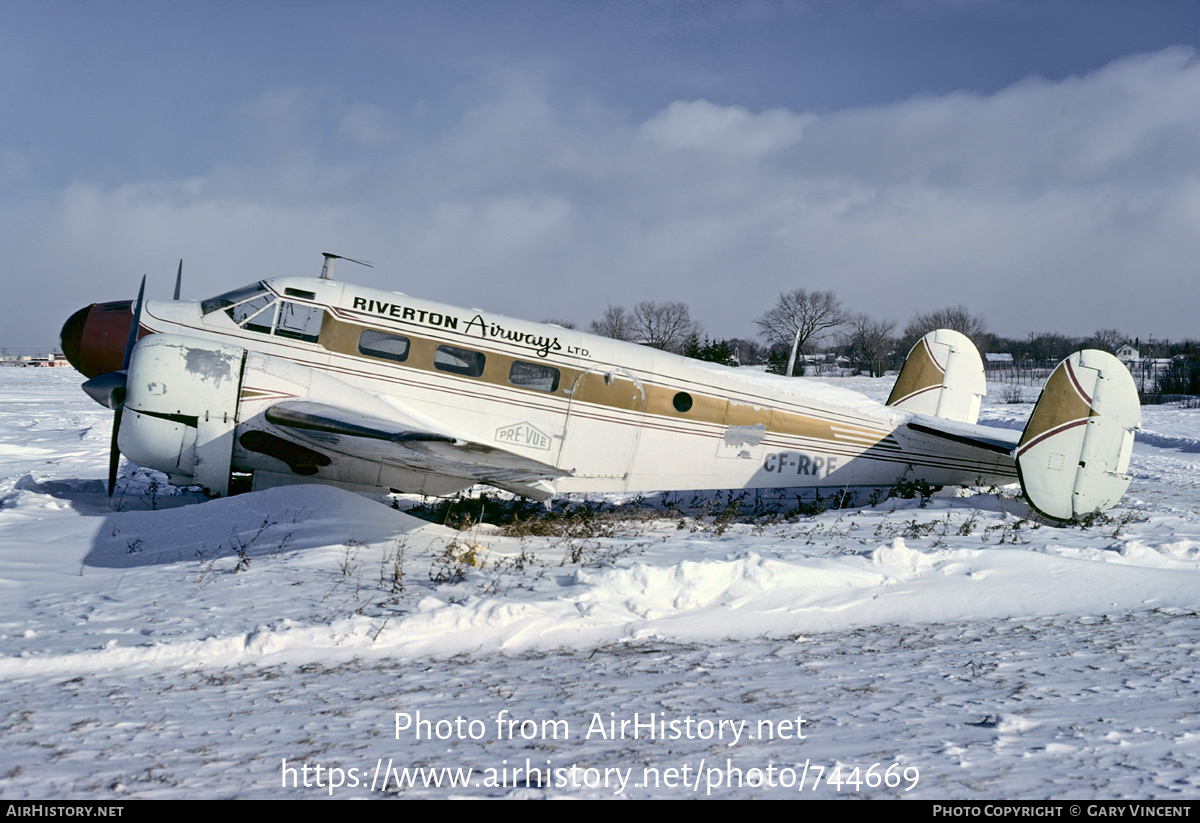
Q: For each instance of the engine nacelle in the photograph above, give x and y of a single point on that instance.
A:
(195, 410)
(181, 408)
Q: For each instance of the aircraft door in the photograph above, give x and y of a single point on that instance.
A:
(604, 424)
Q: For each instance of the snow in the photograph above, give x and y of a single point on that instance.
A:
(160, 645)
(837, 394)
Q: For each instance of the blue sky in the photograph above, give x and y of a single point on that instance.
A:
(1037, 161)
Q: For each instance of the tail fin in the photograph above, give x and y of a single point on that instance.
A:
(1076, 446)
(943, 376)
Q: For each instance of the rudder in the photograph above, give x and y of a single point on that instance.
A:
(943, 377)
(1073, 455)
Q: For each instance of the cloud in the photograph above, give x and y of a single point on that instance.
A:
(369, 126)
(703, 126)
(1041, 205)
(1130, 121)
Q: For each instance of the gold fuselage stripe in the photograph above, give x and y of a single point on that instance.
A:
(341, 337)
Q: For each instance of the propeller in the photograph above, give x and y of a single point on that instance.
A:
(109, 389)
(178, 279)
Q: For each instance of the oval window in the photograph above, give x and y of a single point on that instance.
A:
(381, 344)
(683, 402)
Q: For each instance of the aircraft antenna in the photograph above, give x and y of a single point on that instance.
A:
(327, 268)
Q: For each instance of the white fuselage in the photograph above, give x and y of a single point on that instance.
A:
(617, 416)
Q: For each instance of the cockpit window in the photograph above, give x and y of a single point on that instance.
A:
(230, 298)
(262, 321)
(243, 311)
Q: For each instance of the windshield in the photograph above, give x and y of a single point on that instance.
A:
(229, 298)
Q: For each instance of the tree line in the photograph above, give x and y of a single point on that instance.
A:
(816, 321)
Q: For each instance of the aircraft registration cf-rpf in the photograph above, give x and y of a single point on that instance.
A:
(302, 379)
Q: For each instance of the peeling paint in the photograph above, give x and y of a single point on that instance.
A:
(209, 365)
(745, 435)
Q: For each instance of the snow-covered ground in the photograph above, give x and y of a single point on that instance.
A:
(157, 645)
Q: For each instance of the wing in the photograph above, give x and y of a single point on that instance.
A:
(413, 443)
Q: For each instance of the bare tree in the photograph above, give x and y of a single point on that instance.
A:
(1050, 345)
(1108, 339)
(870, 341)
(801, 318)
(665, 326)
(616, 323)
(956, 318)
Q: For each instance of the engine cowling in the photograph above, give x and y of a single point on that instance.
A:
(181, 409)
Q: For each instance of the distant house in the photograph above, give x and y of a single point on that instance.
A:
(1001, 359)
(1128, 352)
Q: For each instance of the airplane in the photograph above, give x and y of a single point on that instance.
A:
(310, 379)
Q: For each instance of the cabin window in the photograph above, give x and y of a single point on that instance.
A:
(299, 322)
(381, 344)
(682, 402)
(458, 361)
(533, 376)
(229, 298)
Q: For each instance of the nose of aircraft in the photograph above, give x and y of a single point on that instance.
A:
(72, 335)
(93, 338)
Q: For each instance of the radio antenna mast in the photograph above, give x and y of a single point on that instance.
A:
(327, 268)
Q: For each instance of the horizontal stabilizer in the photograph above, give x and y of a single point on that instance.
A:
(942, 377)
(981, 437)
(1075, 450)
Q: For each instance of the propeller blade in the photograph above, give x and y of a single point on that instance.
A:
(178, 279)
(109, 389)
(114, 454)
(134, 326)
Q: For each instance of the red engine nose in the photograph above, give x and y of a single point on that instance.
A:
(93, 338)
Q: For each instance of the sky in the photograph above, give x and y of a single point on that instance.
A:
(1038, 162)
